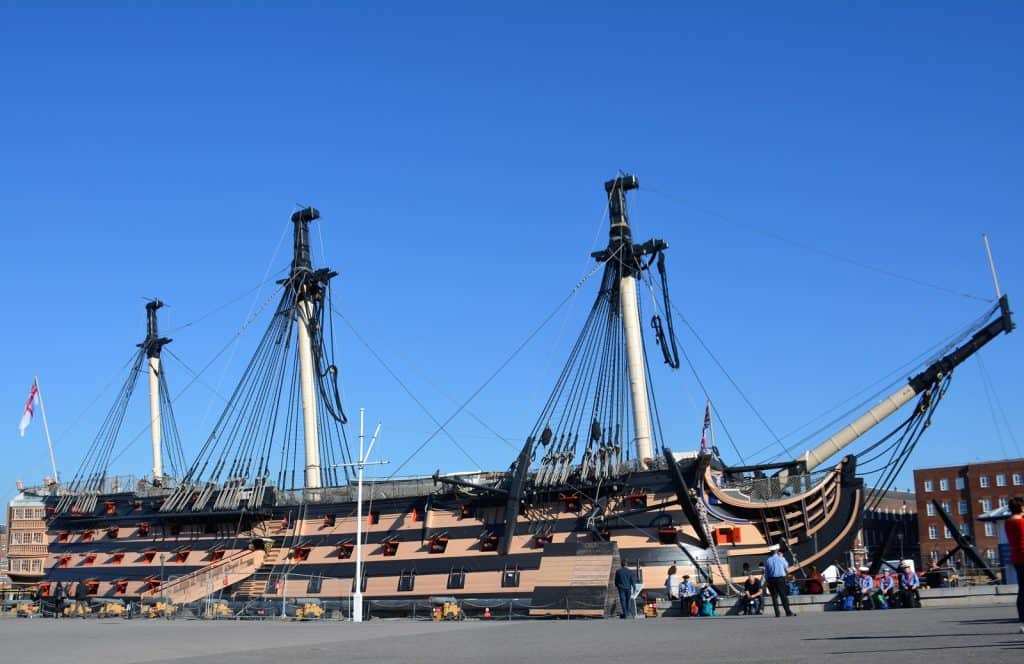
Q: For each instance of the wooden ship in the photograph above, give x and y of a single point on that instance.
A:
(268, 511)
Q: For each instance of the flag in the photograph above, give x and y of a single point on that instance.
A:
(707, 425)
(30, 405)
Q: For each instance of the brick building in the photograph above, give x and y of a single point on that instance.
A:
(896, 511)
(964, 492)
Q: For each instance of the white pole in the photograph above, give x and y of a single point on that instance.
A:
(309, 425)
(357, 596)
(635, 360)
(46, 428)
(991, 265)
(154, 413)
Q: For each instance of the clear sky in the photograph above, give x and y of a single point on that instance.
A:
(823, 173)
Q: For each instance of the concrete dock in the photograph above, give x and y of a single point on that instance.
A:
(975, 633)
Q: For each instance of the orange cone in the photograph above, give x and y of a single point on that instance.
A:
(487, 612)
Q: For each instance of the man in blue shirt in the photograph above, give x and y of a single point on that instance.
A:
(687, 595)
(867, 588)
(886, 585)
(775, 570)
(708, 600)
(910, 596)
(625, 579)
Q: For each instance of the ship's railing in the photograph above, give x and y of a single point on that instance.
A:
(396, 488)
(142, 486)
(773, 488)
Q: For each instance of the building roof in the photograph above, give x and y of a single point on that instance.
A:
(973, 464)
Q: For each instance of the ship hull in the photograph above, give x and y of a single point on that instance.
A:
(445, 541)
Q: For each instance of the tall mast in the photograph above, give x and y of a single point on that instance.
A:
(622, 251)
(307, 289)
(153, 344)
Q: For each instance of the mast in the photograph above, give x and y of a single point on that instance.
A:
(307, 290)
(622, 250)
(919, 383)
(153, 344)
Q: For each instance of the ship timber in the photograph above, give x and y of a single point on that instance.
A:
(593, 483)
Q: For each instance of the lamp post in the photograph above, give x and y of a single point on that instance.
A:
(357, 595)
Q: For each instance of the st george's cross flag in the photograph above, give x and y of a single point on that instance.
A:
(30, 406)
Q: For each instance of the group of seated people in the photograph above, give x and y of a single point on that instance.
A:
(694, 600)
(860, 592)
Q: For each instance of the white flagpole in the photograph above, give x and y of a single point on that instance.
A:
(46, 428)
(711, 425)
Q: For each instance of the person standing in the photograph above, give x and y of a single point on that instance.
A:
(58, 600)
(625, 579)
(1015, 537)
(775, 569)
(687, 595)
(82, 598)
(672, 585)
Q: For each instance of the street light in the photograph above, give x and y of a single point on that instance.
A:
(357, 595)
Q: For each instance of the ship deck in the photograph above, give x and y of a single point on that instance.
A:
(921, 635)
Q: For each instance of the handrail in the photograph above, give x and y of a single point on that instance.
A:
(202, 570)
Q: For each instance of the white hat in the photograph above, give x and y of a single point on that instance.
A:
(773, 547)
(864, 569)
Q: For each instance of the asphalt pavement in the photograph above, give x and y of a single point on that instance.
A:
(988, 634)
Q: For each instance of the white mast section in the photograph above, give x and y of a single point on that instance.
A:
(155, 427)
(627, 255)
(992, 265)
(635, 362)
(46, 429)
(309, 420)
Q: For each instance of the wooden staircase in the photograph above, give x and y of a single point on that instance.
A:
(256, 585)
(573, 580)
(212, 578)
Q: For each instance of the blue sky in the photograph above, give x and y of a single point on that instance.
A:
(823, 173)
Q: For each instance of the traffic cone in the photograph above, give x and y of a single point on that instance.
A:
(487, 612)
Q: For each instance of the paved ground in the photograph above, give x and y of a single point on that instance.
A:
(924, 635)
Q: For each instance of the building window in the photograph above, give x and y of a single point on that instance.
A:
(16, 538)
(314, 585)
(1000, 479)
(930, 509)
(945, 506)
(1004, 501)
(934, 555)
(990, 554)
(19, 513)
(959, 483)
(986, 504)
(961, 507)
(1018, 479)
(965, 529)
(943, 485)
(933, 532)
(983, 481)
(928, 485)
(37, 565)
(990, 529)
(946, 533)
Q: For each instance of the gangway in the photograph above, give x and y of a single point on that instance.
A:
(216, 576)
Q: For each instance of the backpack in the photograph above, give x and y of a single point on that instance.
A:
(694, 611)
(847, 604)
(707, 608)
